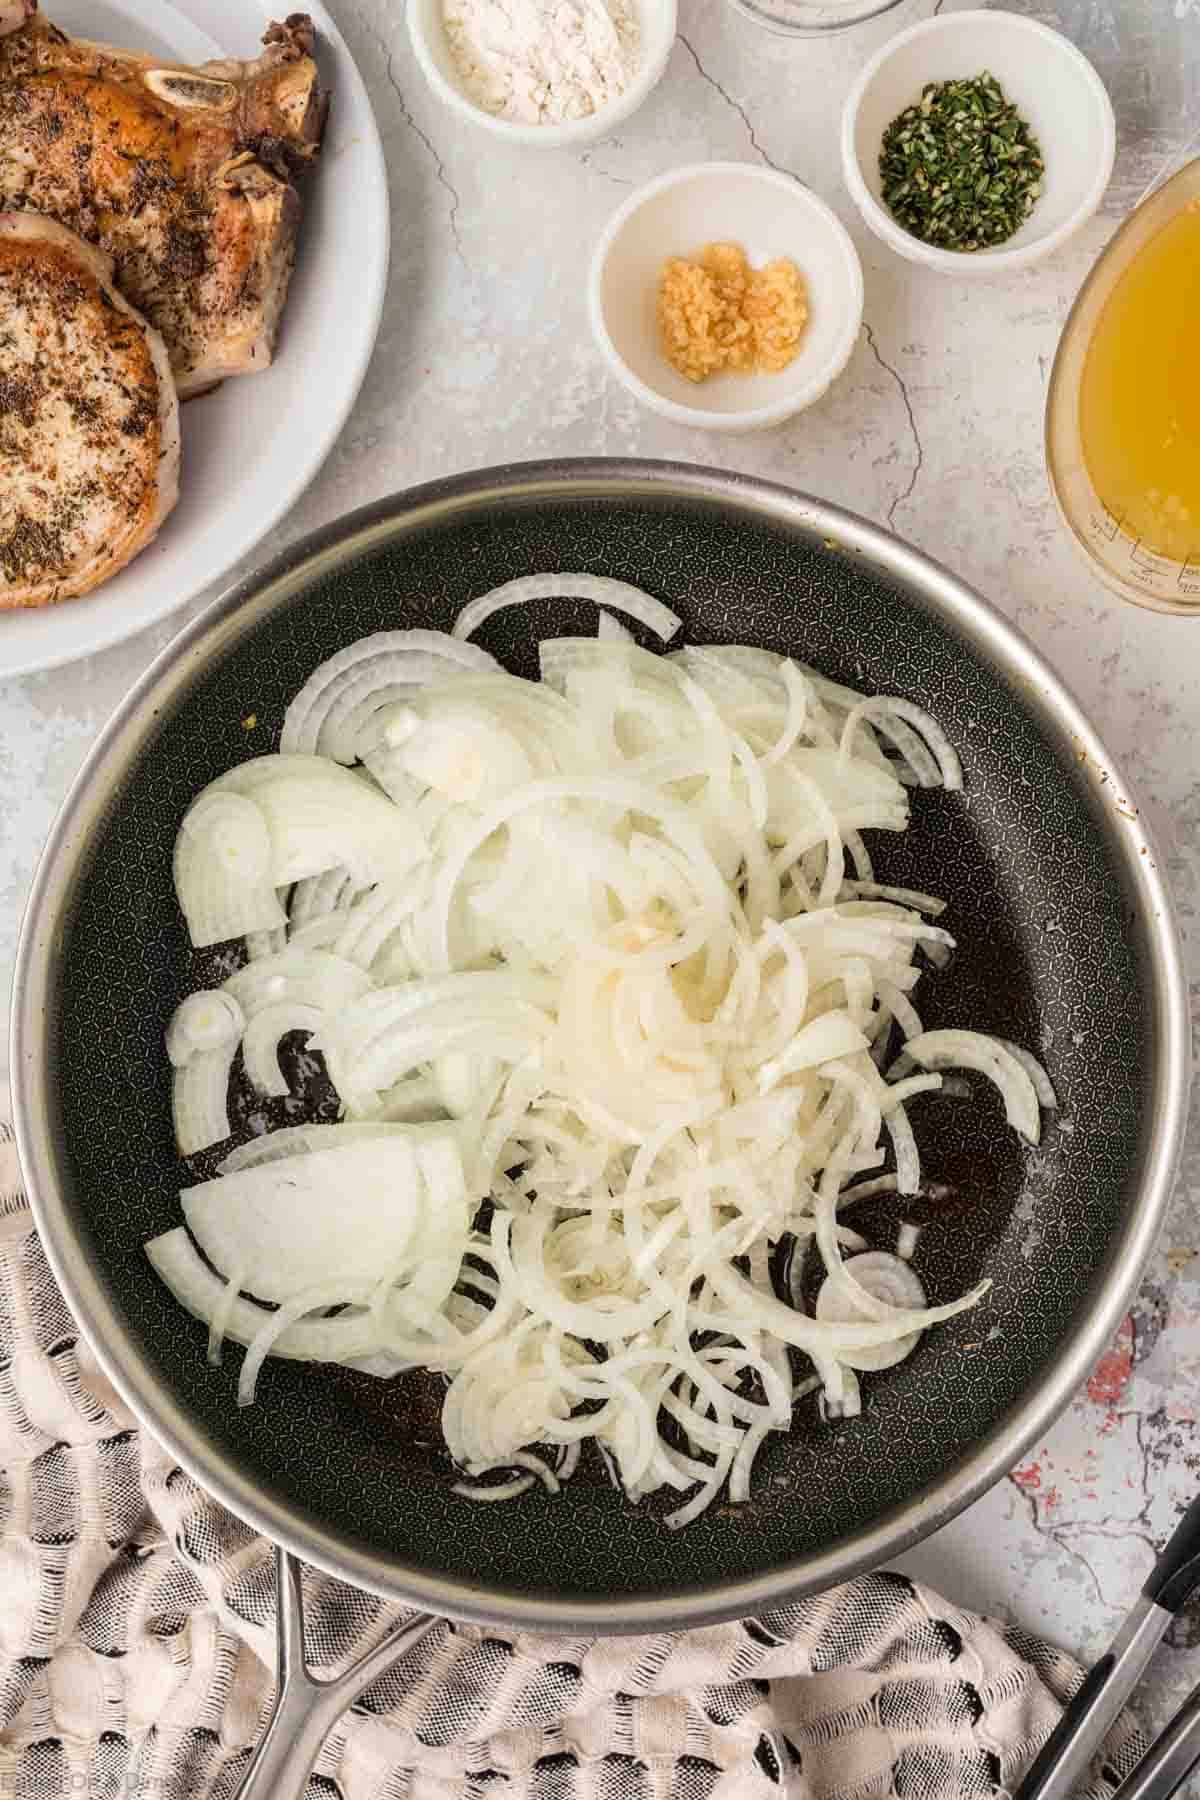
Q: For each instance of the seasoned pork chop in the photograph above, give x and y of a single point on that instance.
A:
(89, 420)
(183, 176)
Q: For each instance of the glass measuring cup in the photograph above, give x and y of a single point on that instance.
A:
(811, 18)
(1126, 565)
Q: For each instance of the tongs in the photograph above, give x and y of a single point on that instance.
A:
(1062, 1765)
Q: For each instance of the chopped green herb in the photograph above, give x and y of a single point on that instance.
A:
(961, 169)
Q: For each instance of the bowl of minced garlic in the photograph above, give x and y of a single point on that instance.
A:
(715, 312)
(726, 296)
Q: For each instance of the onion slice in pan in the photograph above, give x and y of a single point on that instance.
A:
(609, 992)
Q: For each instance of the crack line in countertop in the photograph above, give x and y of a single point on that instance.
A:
(1114, 1529)
(586, 161)
(389, 57)
(900, 499)
(737, 106)
(438, 164)
(1049, 1535)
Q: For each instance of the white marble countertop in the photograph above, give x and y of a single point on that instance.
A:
(934, 430)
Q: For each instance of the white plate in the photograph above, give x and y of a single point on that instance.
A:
(252, 447)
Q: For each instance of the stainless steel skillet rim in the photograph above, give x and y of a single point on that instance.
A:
(115, 1346)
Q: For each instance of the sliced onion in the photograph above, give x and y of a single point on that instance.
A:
(307, 713)
(886, 713)
(273, 821)
(319, 816)
(222, 1313)
(319, 895)
(606, 922)
(297, 1140)
(617, 595)
(381, 683)
(223, 870)
(178, 1264)
(202, 1041)
(266, 943)
(901, 1008)
(501, 1490)
(316, 978)
(209, 1020)
(260, 1045)
(906, 897)
(891, 1282)
(345, 1214)
(832, 1035)
(1043, 1087)
(313, 1300)
(904, 1146)
(971, 1050)
(200, 1100)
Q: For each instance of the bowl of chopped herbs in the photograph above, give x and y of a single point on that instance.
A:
(978, 142)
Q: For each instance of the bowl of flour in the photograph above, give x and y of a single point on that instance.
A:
(543, 72)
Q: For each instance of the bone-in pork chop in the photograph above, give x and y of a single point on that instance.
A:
(89, 420)
(183, 176)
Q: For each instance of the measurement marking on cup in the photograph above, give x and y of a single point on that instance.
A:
(1104, 523)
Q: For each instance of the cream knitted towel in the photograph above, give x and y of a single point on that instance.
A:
(136, 1644)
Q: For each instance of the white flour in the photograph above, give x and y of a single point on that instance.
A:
(541, 62)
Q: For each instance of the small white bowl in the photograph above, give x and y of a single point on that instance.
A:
(1053, 86)
(657, 20)
(769, 215)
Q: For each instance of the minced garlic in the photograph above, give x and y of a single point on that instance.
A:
(716, 312)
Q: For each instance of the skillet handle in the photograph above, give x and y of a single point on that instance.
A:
(306, 1707)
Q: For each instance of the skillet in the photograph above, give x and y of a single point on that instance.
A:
(1067, 944)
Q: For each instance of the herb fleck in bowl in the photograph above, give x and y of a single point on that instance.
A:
(1054, 88)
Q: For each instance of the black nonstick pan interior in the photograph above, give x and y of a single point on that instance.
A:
(1050, 954)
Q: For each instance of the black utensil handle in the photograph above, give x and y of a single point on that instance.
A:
(1170, 1759)
(1047, 1765)
(1064, 1757)
(1176, 1574)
